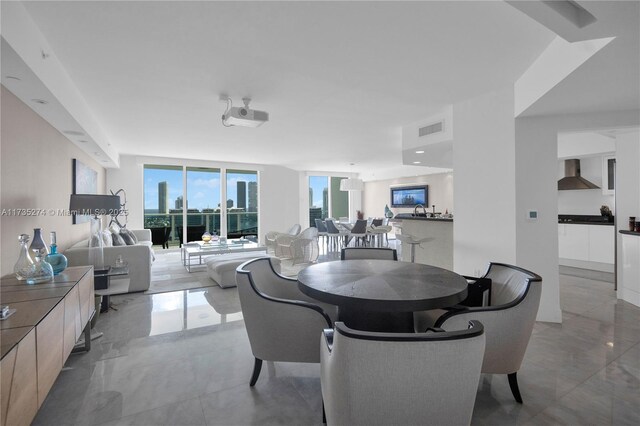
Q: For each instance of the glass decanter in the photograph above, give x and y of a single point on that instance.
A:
(43, 270)
(206, 237)
(58, 261)
(24, 267)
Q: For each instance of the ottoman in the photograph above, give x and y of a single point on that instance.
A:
(222, 268)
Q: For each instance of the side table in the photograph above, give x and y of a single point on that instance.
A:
(102, 280)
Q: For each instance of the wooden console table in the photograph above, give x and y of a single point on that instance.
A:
(38, 338)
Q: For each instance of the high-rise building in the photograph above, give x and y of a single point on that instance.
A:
(325, 202)
(253, 197)
(180, 202)
(163, 197)
(229, 203)
(241, 194)
(314, 213)
(310, 197)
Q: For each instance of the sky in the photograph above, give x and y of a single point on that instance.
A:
(318, 183)
(203, 188)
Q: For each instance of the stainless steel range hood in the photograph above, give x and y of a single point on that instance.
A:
(572, 178)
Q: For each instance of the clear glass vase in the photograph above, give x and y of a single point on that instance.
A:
(58, 261)
(24, 267)
(43, 271)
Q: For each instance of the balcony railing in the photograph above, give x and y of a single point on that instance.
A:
(168, 228)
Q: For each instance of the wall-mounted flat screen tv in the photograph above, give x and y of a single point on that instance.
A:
(409, 196)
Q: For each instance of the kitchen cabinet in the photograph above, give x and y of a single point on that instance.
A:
(586, 243)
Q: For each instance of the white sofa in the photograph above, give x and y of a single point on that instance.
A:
(139, 257)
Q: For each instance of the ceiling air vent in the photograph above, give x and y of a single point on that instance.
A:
(431, 129)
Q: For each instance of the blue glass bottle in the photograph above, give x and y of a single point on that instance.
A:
(58, 261)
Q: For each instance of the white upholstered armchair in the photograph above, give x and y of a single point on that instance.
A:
(508, 320)
(400, 378)
(283, 324)
(270, 237)
(302, 248)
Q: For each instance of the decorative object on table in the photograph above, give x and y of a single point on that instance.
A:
(637, 225)
(95, 205)
(37, 243)
(58, 261)
(215, 237)
(359, 214)
(632, 223)
(605, 211)
(206, 237)
(387, 212)
(24, 267)
(43, 271)
(84, 181)
(6, 312)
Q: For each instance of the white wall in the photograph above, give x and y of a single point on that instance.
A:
(36, 174)
(585, 201)
(628, 202)
(376, 193)
(484, 179)
(536, 188)
(277, 193)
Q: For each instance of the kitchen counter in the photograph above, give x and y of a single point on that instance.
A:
(576, 219)
(438, 251)
(409, 216)
(630, 233)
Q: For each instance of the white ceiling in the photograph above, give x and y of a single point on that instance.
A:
(338, 79)
(609, 80)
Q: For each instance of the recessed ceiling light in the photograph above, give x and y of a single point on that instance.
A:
(40, 101)
(416, 162)
(419, 152)
(72, 133)
(11, 77)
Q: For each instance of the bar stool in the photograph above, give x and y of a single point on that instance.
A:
(413, 242)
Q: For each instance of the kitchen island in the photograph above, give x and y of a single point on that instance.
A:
(439, 250)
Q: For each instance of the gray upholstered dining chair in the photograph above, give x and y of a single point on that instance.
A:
(334, 234)
(370, 378)
(349, 253)
(322, 229)
(283, 323)
(359, 232)
(508, 320)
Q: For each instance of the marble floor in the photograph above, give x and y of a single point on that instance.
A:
(183, 358)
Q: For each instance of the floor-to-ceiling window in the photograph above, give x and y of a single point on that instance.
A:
(197, 197)
(326, 199)
(242, 203)
(162, 192)
(203, 202)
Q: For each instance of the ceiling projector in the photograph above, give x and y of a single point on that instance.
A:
(243, 116)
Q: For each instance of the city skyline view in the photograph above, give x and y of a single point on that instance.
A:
(317, 185)
(203, 187)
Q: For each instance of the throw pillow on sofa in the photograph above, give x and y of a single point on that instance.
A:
(117, 239)
(107, 241)
(132, 235)
(124, 234)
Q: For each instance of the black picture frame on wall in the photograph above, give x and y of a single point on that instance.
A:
(84, 181)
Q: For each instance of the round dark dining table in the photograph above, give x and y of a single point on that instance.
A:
(381, 295)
